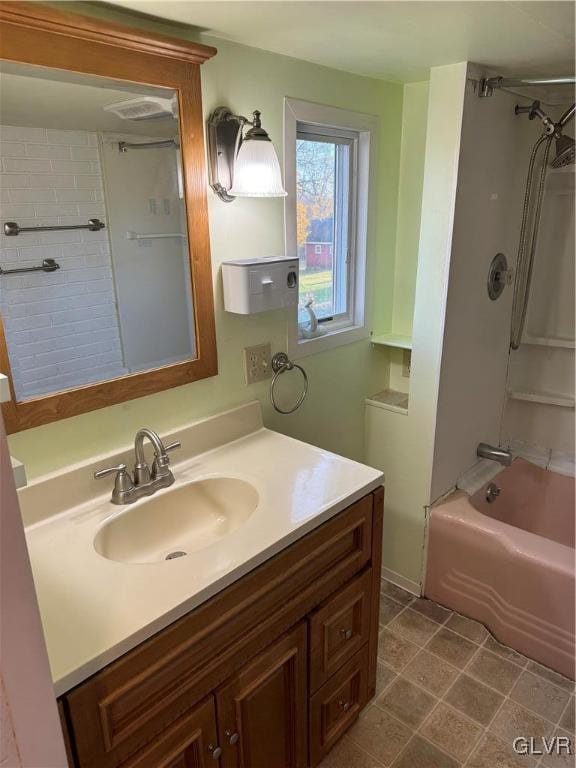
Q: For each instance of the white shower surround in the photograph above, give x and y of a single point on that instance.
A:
(61, 327)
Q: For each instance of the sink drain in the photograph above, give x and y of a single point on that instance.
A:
(178, 553)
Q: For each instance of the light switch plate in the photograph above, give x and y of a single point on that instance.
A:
(4, 389)
(257, 363)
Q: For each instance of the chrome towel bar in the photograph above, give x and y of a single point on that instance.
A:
(124, 146)
(152, 236)
(48, 265)
(12, 229)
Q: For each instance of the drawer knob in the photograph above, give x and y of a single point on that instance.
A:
(216, 751)
(345, 705)
(233, 738)
(346, 633)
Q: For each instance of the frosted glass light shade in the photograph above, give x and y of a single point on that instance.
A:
(257, 171)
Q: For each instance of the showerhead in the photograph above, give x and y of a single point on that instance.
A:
(565, 152)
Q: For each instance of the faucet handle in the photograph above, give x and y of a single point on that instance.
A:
(161, 464)
(110, 471)
(122, 484)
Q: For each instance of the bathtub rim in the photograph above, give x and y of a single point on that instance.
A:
(458, 506)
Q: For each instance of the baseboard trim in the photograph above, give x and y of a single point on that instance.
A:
(401, 581)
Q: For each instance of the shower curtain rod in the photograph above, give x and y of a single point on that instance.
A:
(487, 84)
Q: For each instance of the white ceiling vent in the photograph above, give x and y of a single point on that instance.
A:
(144, 108)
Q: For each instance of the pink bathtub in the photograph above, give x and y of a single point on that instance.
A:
(510, 564)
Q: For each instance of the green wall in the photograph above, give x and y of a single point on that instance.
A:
(414, 117)
(333, 415)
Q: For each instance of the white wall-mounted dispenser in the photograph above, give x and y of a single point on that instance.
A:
(257, 285)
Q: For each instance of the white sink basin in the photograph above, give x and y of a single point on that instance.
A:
(180, 521)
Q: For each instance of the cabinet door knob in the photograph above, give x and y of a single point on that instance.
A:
(216, 751)
(346, 633)
(345, 705)
(233, 737)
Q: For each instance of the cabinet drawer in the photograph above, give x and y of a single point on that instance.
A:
(336, 705)
(339, 628)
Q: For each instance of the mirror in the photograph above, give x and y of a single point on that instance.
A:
(104, 206)
(82, 304)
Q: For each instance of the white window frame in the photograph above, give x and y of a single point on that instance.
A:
(337, 122)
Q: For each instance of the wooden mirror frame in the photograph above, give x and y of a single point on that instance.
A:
(43, 36)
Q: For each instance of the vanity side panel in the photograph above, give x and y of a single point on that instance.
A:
(377, 532)
(65, 724)
(126, 705)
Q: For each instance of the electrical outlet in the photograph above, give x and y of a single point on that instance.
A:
(406, 363)
(257, 363)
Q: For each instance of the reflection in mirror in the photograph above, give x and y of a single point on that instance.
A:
(76, 148)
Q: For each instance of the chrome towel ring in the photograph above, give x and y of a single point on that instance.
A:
(281, 364)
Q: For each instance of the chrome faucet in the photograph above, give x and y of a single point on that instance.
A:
(501, 455)
(145, 483)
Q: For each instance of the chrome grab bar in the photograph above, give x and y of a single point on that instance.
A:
(281, 364)
(48, 265)
(11, 228)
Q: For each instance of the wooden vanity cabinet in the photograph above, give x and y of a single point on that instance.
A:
(267, 674)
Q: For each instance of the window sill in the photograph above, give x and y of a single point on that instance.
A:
(335, 338)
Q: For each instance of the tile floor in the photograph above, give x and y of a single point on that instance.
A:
(449, 695)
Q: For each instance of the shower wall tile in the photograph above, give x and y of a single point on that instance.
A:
(62, 327)
(18, 133)
(70, 138)
(45, 150)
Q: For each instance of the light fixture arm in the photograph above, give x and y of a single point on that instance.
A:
(224, 128)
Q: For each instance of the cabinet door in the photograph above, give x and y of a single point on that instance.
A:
(190, 742)
(262, 711)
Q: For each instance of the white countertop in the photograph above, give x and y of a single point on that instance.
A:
(94, 609)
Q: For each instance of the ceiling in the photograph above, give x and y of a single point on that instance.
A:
(396, 41)
(37, 97)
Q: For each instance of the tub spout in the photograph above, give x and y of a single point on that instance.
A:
(502, 456)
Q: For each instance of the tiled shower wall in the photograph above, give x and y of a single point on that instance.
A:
(61, 327)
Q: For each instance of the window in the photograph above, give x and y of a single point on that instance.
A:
(324, 212)
(327, 162)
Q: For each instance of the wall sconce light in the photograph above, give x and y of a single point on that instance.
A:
(241, 165)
